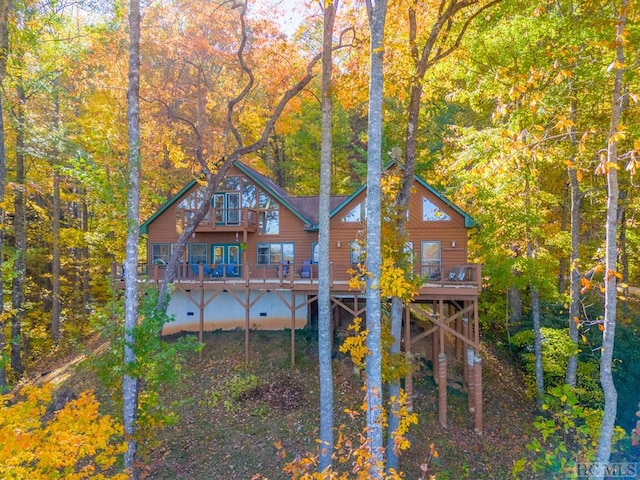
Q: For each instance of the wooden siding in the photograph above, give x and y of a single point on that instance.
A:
(451, 233)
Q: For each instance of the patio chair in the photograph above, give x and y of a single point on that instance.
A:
(462, 274)
(453, 274)
(305, 271)
(285, 268)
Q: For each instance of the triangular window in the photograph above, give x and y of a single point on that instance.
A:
(357, 214)
(431, 213)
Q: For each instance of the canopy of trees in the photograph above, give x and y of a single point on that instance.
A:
(524, 113)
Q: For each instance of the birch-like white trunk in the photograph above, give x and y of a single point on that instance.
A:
(130, 383)
(377, 17)
(611, 257)
(324, 293)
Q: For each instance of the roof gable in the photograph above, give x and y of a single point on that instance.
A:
(261, 180)
(468, 221)
(305, 208)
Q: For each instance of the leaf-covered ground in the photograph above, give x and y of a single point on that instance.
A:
(232, 413)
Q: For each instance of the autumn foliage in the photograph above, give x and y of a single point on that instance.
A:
(76, 443)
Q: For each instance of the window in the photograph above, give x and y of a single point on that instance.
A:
(357, 253)
(275, 253)
(269, 222)
(197, 253)
(431, 259)
(248, 195)
(357, 214)
(229, 184)
(431, 213)
(160, 253)
(315, 252)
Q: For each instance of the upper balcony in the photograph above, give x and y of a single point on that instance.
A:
(222, 220)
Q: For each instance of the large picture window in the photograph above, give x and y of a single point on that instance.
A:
(197, 253)
(275, 253)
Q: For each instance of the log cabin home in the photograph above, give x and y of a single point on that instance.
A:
(252, 264)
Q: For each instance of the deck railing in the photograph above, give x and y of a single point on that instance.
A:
(296, 273)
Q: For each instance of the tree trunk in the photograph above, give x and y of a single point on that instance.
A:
(537, 345)
(611, 256)
(622, 245)
(20, 235)
(56, 306)
(515, 304)
(377, 17)
(394, 385)
(562, 263)
(324, 238)
(574, 278)
(130, 383)
(4, 47)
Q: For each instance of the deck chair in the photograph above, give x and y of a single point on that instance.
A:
(231, 270)
(305, 271)
(453, 274)
(285, 268)
(218, 271)
(196, 269)
(461, 274)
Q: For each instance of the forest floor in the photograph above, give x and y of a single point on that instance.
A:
(232, 413)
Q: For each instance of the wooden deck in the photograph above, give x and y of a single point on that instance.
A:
(460, 282)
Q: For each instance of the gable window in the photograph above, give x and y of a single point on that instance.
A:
(357, 214)
(268, 216)
(431, 213)
(197, 253)
(431, 259)
(275, 253)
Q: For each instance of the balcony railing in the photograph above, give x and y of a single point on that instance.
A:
(224, 219)
(290, 274)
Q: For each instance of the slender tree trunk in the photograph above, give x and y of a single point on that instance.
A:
(574, 279)
(623, 247)
(84, 256)
(56, 307)
(4, 47)
(611, 256)
(394, 386)
(324, 238)
(377, 17)
(131, 383)
(537, 344)
(562, 263)
(17, 288)
(515, 304)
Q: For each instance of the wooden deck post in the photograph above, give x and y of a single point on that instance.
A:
(435, 350)
(408, 382)
(247, 319)
(293, 329)
(471, 377)
(458, 328)
(465, 333)
(477, 393)
(201, 324)
(442, 388)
